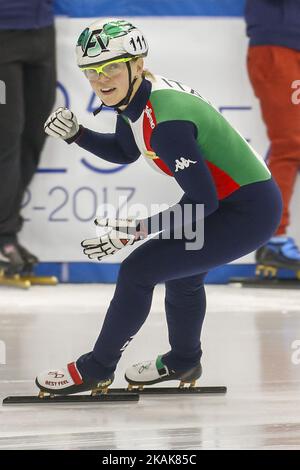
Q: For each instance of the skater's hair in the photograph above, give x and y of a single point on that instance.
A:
(147, 74)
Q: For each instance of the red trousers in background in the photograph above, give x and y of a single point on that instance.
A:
(272, 70)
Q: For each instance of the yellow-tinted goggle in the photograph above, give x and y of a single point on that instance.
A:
(109, 69)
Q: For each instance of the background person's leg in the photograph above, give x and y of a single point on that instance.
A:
(272, 70)
(39, 97)
(27, 67)
(11, 128)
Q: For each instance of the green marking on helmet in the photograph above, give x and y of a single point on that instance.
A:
(83, 38)
(115, 29)
(104, 38)
(93, 42)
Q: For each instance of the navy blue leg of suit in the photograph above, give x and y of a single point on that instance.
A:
(243, 222)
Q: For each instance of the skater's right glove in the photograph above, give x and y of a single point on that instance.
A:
(63, 124)
(123, 232)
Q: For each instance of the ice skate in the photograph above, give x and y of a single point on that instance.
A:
(67, 381)
(30, 260)
(154, 372)
(27, 274)
(11, 266)
(17, 267)
(278, 253)
(65, 386)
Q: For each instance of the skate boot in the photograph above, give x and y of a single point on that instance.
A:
(279, 252)
(61, 386)
(68, 381)
(11, 266)
(153, 372)
(27, 274)
(66, 386)
(30, 260)
(11, 258)
(17, 267)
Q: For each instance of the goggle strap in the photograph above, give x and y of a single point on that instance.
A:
(97, 111)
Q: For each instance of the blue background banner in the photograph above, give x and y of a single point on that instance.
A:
(94, 272)
(97, 8)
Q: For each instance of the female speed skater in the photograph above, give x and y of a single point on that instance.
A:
(185, 137)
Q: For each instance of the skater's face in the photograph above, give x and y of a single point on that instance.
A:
(113, 87)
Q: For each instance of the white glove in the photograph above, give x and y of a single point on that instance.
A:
(62, 124)
(123, 232)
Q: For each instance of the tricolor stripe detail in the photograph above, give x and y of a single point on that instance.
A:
(162, 166)
(149, 124)
(75, 376)
(225, 185)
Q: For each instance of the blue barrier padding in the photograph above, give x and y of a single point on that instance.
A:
(127, 8)
(107, 273)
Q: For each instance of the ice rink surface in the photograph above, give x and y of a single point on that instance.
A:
(250, 343)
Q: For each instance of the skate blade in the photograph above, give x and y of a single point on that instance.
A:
(265, 271)
(65, 399)
(191, 390)
(40, 280)
(14, 281)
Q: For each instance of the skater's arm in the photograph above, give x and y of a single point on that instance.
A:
(119, 147)
(173, 141)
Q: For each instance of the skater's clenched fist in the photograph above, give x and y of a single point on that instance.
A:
(62, 124)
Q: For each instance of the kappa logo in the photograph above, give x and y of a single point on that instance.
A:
(182, 163)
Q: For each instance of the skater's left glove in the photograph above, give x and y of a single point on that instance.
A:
(123, 232)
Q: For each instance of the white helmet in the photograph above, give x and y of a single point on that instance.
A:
(109, 39)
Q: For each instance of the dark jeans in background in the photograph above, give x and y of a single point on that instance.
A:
(27, 67)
